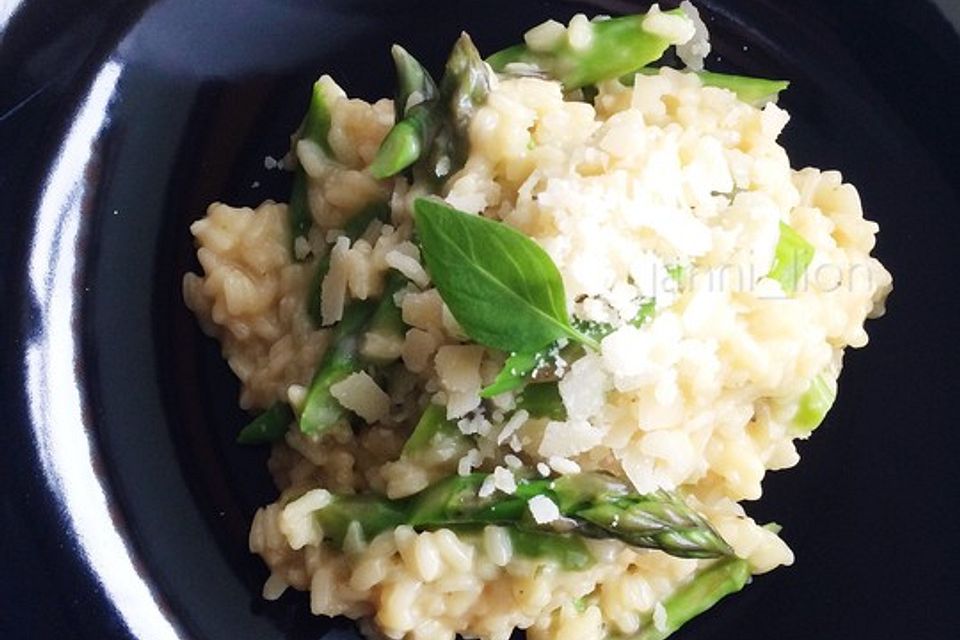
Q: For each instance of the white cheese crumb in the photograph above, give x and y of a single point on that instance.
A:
(675, 29)
(504, 481)
(301, 248)
(408, 266)
(297, 522)
(296, 395)
(359, 393)
(334, 287)
(563, 465)
(579, 32)
(469, 462)
(516, 421)
(543, 509)
(544, 36)
(487, 488)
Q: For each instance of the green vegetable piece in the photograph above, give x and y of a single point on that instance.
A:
(374, 515)
(814, 404)
(315, 127)
(793, 256)
(269, 426)
(514, 373)
(500, 285)
(436, 129)
(432, 427)
(661, 520)
(596, 505)
(412, 79)
(353, 230)
(644, 313)
(569, 551)
(321, 410)
(708, 587)
(542, 400)
(455, 501)
(463, 90)
(756, 91)
(406, 141)
(387, 322)
(617, 47)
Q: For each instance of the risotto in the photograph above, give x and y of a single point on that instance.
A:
(524, 339)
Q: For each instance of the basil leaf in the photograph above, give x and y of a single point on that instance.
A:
(500, 285)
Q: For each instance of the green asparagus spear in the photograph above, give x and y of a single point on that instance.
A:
(609, 508)
(463, 90)
(594, 505)
(374, 515)
(435, 130)
(269, 426)
(569, 551)
(412, 79)
(708, 587)
(315, 127)
(353, 230)
(432, 427)
(793, 256)
(755, 91)
(416, 125)
(386, 326)
(616, 47)
(321, 410)
(407, 140)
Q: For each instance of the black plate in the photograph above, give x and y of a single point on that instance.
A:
(125, 503)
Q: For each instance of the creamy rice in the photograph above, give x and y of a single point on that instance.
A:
(660, 175)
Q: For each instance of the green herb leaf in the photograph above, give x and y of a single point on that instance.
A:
(500, 285)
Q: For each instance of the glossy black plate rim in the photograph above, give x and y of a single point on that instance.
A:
(43, 358)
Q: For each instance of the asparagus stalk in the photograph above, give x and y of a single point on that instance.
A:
(315, 127)
(464, 89)
(615, 48)
(708, 587)
(321, 410)
(432, 428)
(569, 551)
(436, 128)
(594, 505)
(412, 79)
(269, 426)
(756, 91)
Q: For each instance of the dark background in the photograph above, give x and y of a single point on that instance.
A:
(209, 88)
